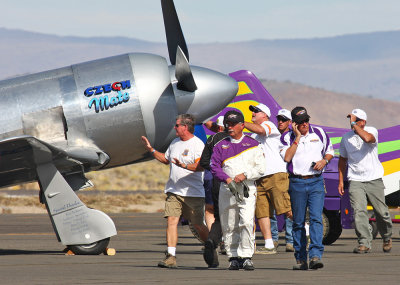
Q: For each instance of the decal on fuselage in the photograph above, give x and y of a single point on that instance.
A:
(104, 102)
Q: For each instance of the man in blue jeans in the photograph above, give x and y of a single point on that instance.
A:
(307, 150)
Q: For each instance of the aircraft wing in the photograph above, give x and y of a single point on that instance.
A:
(19, 157)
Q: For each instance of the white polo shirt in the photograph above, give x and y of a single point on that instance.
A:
(362, 157)
(312, 147)
(181, 181)
(270, 145)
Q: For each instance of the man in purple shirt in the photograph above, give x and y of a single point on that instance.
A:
(237, 162)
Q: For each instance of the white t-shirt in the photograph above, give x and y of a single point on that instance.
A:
(362, 157)
(181, 181)
(270, 145)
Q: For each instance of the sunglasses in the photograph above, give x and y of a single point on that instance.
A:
(177, 125)
(357, 120)
(230, 124)
(282, 119)
(256, 110)
(304, 121)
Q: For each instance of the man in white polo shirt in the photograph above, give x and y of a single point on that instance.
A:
(272, 188)
(359, 151)
(307, 150)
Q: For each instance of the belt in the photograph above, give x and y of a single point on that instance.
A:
(305, 176)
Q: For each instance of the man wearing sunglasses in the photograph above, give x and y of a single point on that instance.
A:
(359, 151)
(237, 162)
(184, 188)
(284, 119)
(272, 187)
(307, 150)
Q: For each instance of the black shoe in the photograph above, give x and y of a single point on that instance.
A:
(234, 263)
(210, 254)
(247, 264)
(316, 263)
(300, 265)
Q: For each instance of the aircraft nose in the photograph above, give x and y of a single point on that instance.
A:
(214, 92)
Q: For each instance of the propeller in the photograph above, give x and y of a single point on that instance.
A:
(177, 48)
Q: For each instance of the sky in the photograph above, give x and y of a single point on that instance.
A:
(203, 20)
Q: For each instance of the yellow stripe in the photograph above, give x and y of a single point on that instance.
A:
(237, 154)
(243, 89)
(391, 166)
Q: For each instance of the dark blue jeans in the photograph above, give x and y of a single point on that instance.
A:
(307, 193)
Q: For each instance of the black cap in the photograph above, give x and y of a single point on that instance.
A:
(234, 117)
(299, 114)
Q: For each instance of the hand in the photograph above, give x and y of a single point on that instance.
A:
(239, 178)
(295, 130)
(146, 143)
(320, 164)
(178, 163)
(341, 188)
(235, 190)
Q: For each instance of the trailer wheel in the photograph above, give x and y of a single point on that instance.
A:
(194, 232)
(332, 226)
(373, 227)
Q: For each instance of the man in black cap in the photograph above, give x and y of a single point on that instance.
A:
(307, 150)
(237, 162)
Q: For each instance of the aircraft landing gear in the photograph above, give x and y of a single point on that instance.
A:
(83, 230)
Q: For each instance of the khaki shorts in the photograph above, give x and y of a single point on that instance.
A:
(191, 208)
(272, 194)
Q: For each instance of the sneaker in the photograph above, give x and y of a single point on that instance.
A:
(315, 263)
(361, 249)
(300, 265)
(210, 254)
(247, 264)
(276, 244)
(264, 250)
(234, 263)
(168, 262)
(387, 245)
(289, 247)
(222, 249)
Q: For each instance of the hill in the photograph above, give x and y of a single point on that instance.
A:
(365, 64)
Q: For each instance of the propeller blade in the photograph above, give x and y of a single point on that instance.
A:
(183, 73)
(173, 31)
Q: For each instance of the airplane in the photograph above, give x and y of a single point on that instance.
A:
(59, 124)
(338, 213)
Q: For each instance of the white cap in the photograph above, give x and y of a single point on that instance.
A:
(262, 108)
(284, 113)
(220, 121)
(359, 114)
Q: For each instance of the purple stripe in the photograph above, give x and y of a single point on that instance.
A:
(389, 156)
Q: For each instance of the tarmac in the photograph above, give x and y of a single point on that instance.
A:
(31, 254)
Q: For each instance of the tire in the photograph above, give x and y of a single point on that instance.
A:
(332, 226)
(373, 226)
(95, 248)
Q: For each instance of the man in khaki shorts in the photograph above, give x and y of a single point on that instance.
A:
(184, 189)
(272, 188)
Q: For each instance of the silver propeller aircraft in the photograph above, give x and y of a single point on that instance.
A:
(59, 124)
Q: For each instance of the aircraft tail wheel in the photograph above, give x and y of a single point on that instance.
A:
(94, 248)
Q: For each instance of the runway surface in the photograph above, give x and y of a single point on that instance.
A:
(31, 254)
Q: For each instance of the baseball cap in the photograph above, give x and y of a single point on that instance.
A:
(234, 117)
(220, 121)
(262, 108)
(284, 113)
(299, 114)
(359, 114)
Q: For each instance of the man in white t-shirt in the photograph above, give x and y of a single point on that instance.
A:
(359, 151)
(272, 188)
(184, 189)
